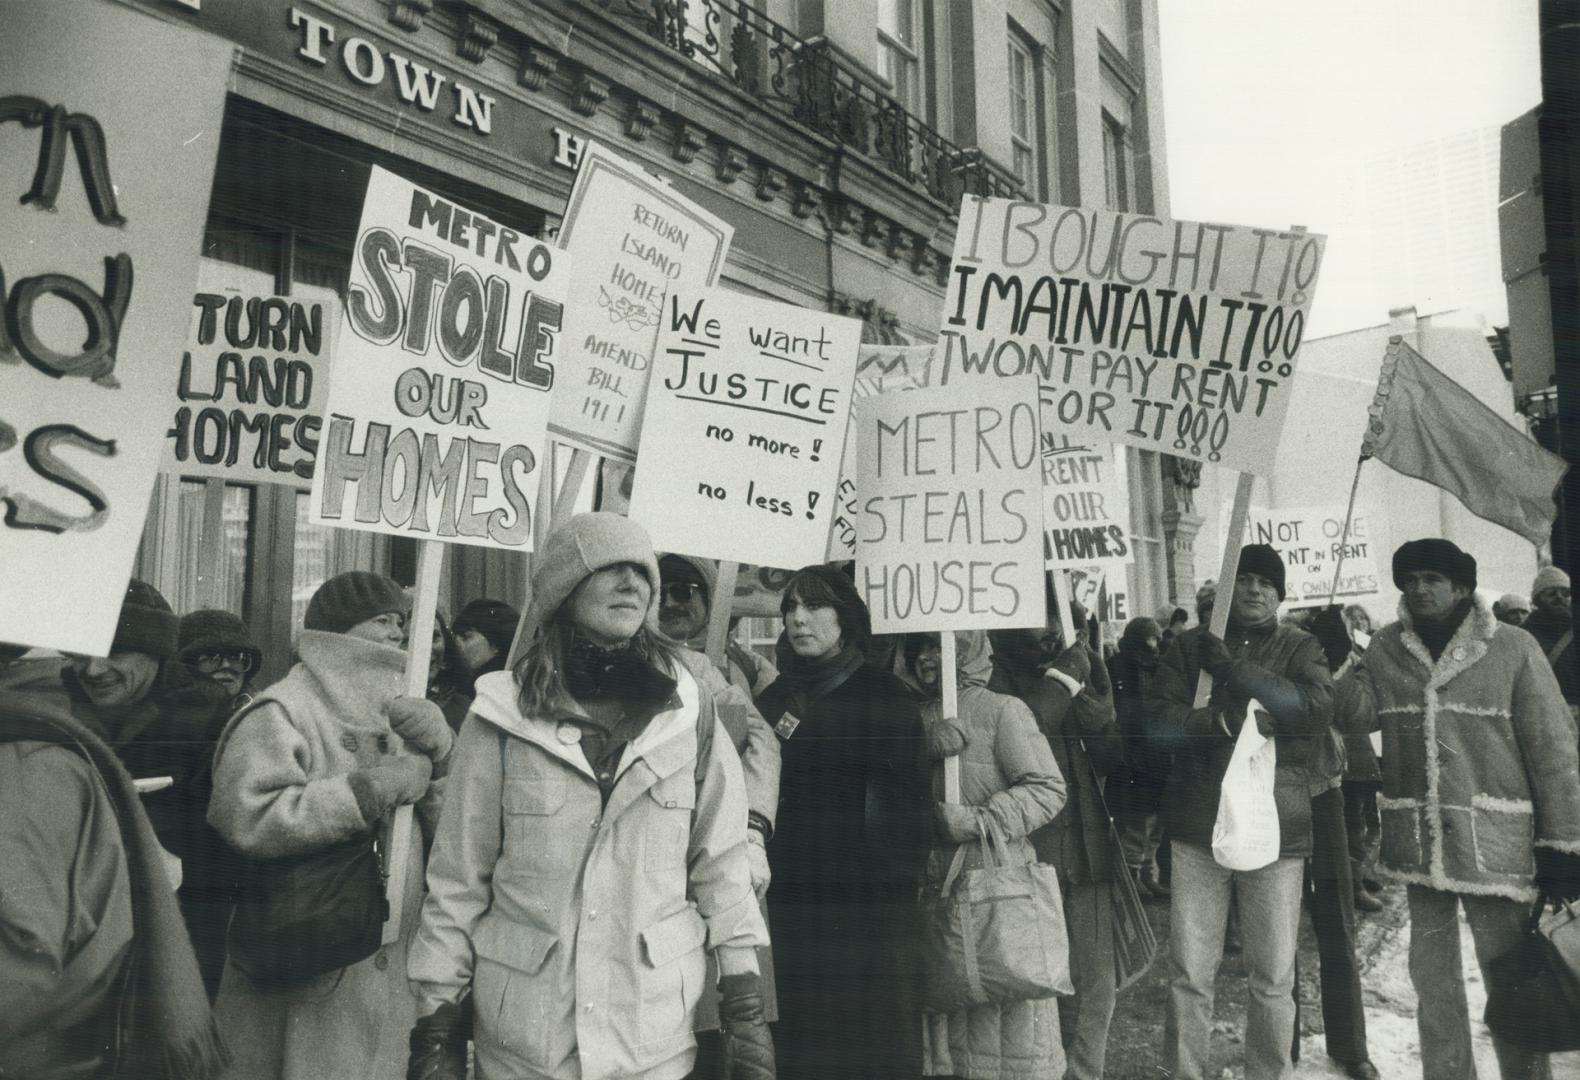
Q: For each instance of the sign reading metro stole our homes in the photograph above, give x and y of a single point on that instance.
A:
(630, 240)
(105, 171)
(438, 411)
(746, 418)
(1174, 336)
(950, 508)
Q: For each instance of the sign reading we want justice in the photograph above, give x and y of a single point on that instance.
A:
(1177, 336)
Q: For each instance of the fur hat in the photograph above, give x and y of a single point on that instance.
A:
(494, 619)
(147, 625)
(353, 597)
(584, 544)
(209, 629)
(1548, 577)
(1262, 559)
(1434, 553)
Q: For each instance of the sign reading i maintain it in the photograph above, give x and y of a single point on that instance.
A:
(1177, 336)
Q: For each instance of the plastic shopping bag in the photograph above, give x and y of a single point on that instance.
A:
(1245, 835)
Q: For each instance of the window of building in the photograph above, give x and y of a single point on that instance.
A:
(1029, 111)
(1148, 571)
(899, 59)
(1116, 163)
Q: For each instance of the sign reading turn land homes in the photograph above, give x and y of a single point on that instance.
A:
(1177, 336)
(630, 240)
(950, 516)
(1310, 540)
(105, 170)
(438, 409)
(746, 415)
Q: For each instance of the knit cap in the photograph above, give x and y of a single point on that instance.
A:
(146, 625)
(210, 629)
(353, 597)
(1262, 559)
(1434, 553)
(584, 544)
(1549, 577)
(707, 571)
(494, 619)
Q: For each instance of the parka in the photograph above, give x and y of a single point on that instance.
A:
(1008, 774)
(1479, 755)
(579, 927)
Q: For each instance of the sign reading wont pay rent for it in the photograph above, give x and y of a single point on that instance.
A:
(1178, 336)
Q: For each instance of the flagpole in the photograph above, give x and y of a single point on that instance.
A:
(1344, 537)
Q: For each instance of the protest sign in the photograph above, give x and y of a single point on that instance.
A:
(746, 413)
(630, 241)
(437, 413)
(1310, 540)
(1176, 336)
(950, 521)
(104, 185)
(253, 379)
(1085, 508)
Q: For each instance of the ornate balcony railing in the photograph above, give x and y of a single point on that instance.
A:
(807, 81)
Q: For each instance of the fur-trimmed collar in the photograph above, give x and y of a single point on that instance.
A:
(1468, 645)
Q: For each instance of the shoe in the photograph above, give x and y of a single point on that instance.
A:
(1371, 885)
(1365, 901)
(1150, 882)
(1360, 1070)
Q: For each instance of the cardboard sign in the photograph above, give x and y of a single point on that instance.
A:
(630, 241)
(1085, 509)
(1176, 336)
(1308, 539)
(746, 414)
(438, 413)
(105, 168)
(950, 522)
(253, 381)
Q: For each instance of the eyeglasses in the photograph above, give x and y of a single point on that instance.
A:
(679, 592)
(207, 663)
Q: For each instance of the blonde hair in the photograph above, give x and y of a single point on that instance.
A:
(540, 673)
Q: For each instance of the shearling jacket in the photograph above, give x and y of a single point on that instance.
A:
(1479, 755)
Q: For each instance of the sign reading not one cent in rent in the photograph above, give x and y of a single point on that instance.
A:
(1310, 540)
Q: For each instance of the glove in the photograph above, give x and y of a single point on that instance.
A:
(748, 1047)
(438, 1043)
(955, 822)
(757, 856)
(382, 788)
(1214, 656)
(1558, 874)
(421, 724)
(1075, 662)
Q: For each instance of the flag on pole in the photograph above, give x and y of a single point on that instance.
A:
(1426, 425)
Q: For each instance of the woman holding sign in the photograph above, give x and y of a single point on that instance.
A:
(848, 846)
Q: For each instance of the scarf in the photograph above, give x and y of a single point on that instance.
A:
(808, 678)
(595, 672)
(167, 1029)
(1437, 634)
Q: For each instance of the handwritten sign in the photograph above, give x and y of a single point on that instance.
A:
(1176, 336)
(438, 411)
(253, 381)
(1085, 509)
(631, 240)
(1310, 540)
(105, 170)
(746, 413)
(950, 522)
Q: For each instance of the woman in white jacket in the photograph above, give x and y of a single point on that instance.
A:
(594, 840)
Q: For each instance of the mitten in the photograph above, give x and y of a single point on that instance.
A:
(421, 724)
(1076, 662)
(1558, 874)
(757, 857)
(1214, 655)
(396, 782)
(438, 1043)
(955, 822)
(748, 1047)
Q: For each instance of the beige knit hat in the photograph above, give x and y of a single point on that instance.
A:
(583, 544)
(1548, 577)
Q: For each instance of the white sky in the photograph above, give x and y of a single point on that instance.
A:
(1271, 106)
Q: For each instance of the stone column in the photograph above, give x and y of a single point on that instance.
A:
(1181, 523)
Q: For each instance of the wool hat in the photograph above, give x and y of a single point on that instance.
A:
(706, 571)
(1262, 559)
(1434, 553)
(494, 619)
(353, 597)
(210, 629)
(1511, 601)
(146, 625)
(1548, 577)
(584, 544)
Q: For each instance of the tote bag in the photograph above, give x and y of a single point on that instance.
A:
(1533, 990)
(1245, 835)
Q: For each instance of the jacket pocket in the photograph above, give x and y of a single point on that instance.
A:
(665, 843)
(1401, 833)
(510, 991)
(1504, 834)
(537, 842)
(671, 975)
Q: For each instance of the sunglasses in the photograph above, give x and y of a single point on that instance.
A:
(679, 592)
(207, 663)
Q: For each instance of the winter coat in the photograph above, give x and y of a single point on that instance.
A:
(1084, 736)
(1479, 757)
(1007, 775)
(847, 857)
(1135, 786)
(579, 927)
(1291, 668)
(281, 789)
(1549, 630)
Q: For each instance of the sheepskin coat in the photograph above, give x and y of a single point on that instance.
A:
(1479, 755)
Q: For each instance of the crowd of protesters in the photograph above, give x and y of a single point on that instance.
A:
(626, 860)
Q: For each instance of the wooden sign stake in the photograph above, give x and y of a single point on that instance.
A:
(719, 611)
(949, 709)
(1224, 596)
(211, 593)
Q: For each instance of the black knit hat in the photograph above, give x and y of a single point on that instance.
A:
(1434, 553)
(1262, 559)
(353, 597)
(147, 625)
(494, 619)
(211, 629)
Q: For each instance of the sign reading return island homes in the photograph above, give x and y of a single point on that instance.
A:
(1177, 336)
(438, 409)
(746, 416)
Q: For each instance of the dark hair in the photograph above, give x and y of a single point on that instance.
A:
(912, 644)
(821, 585)
(1137, 631)
(1179, 615)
